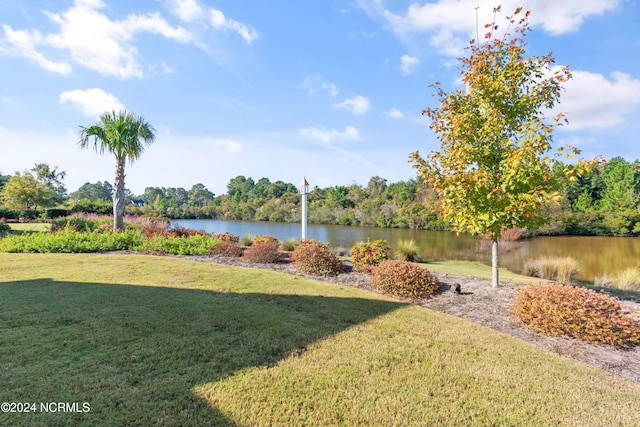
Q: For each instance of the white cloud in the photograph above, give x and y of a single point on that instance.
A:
(92, 102)
(452, 23)
(316, 82)
(89, 38)
(187, 10)
(408, 64)
(330, 135)
(595, 101)
(221, 22)
(228, 145)
(166, 69)
(191, 11)
(394, 113)
(356, 105)
(23, 42)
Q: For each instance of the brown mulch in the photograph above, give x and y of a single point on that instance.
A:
(480, 303)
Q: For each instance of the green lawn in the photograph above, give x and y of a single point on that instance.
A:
(168, 341)
(30, 226)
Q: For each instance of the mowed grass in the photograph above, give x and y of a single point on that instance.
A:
(30, 226)
(168, 341)
(480, 270)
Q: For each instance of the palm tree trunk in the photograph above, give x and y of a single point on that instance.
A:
(118, 196)
(494, 263)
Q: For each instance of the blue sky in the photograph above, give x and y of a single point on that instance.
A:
(329, 89)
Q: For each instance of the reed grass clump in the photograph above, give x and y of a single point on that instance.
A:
(627, 279)
(558, 269)
(407, 250)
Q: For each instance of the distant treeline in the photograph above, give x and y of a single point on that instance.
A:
(604, 202)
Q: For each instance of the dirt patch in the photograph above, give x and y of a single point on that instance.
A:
(481, 304)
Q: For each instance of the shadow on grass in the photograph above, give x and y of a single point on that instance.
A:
(134, 353)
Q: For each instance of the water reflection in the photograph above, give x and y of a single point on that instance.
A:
(596, 255)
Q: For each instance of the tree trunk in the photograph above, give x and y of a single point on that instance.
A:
(494, 263)
(118, 196)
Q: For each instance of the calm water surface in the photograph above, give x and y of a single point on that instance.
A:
(596, 255)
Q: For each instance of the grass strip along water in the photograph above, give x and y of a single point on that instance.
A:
(148, 340)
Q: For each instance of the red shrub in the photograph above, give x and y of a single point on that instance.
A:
(575, 312)
(404, 279)
(263, 252)
(315, 258)
(226, 248)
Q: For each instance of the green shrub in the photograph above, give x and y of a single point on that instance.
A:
(197, 244)
(404, 279)
(558, 269)
(71, 241)
(263, 252)
(82, 222)
(407, 250)
(227, 248)
(575, 312)
(4, 227)
(367, 255)
(316, 258)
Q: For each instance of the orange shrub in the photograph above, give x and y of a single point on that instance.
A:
(227, 248)
(575, 312)
(315, 258)
(262, 252)
(404, 279)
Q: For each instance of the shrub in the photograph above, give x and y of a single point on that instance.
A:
(575, 312)
(316, 258)
(71, 241)
(153, 230)
(184, 245)
(561, 270)
(4, 227)
(264, 238)
(226, 237)
(262, 252)
(180, 231)
(407, 250)
(227, 248)
(404, 279)
(367, 255)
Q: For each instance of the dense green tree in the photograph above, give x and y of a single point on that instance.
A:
(124, 135)
(621, 184)
(24, 191)
(491, 171)
(52, 179)
(199, 196)
(93, 192)
(3, 180)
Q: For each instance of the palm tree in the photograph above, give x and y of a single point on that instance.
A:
(124, 135)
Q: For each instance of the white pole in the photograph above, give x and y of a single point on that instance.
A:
(304, 190)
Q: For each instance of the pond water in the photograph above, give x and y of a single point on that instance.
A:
(596, 255)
